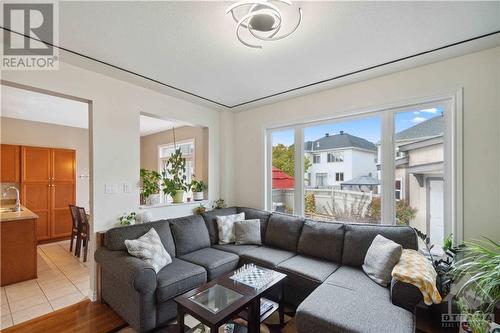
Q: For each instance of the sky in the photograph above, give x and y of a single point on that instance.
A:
(367, 128)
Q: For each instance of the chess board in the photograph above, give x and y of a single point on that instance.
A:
(252, 277)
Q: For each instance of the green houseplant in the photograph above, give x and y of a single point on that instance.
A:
(479, 271)
(127, 219)
(174, 177)
(198, 187)
(150, 186)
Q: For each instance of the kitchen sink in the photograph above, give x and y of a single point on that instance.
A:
(8, 210)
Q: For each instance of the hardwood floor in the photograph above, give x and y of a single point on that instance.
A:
(86, 316)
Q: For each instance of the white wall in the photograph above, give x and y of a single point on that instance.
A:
(115, 141)
(477, 73)
(116, 106)
(32, 133)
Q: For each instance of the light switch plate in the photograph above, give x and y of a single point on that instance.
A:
(126, 188)
(110, 188)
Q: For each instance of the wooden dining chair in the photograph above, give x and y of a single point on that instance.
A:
(75, 215)
(84, 233)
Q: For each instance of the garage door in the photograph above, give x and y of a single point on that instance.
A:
(436, 211)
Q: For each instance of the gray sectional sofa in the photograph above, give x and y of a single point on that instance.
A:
(325, 282)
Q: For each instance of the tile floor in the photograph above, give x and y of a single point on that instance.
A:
(63, 279)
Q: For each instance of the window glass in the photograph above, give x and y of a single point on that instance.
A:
(283, 171)
(346, 185)
(419, 171)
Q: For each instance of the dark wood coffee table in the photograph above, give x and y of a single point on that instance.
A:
(223, 299)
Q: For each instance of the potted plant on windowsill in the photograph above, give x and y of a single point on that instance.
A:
(174, 177)
(150, 189)
(198, 187)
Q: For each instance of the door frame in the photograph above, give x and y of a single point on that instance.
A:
(92, 244)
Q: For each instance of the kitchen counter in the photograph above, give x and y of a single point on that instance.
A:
(18, 241)
(24, 214)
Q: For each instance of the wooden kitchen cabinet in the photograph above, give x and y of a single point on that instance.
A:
(10, 164)
(48, 186)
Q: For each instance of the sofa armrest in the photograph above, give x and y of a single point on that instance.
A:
(405, 295)
(127, 269)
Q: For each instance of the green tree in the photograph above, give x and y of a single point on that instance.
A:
(284, 159)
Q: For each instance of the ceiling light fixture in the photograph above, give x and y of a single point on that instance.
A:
(263, 20)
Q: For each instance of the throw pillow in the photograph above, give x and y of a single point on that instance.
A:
(381, 257)
(225, 225)
(247, 232)
(149, 248)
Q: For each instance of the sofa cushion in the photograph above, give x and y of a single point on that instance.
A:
(307, 269)
(381, 257)
(331, 308)
(355, 279)
(149, 248)
(114, 239)
(322, 240)
(216, 262)
(266, 256)
(283, 231)
(177, 278)
(210, 221)
(358, 237)
(233, 248)
(225, 227)
(262, 215)
(247, 232)
(190, 234)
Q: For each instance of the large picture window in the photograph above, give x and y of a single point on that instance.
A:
(341, 167)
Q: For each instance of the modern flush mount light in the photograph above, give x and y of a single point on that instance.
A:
(263, 20)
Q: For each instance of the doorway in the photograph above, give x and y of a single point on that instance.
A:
(51, 134)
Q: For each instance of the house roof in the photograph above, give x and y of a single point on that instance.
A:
(431, 127)
(282, 180)
(363, 180)
(341, 140)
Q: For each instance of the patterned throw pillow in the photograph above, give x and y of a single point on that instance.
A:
(149, 248)
(383, 254)
(247, 232)
(225, 225)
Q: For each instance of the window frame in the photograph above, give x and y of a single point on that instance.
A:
(452, 103)
(340, 175)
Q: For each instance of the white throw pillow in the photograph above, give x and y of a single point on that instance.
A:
(381, 257)
(225, 225)
(149, 248)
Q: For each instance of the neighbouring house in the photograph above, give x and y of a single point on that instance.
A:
(338, 158)
(283, 189)
(419, 175)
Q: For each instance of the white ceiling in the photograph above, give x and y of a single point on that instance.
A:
(34, 106)
(192, 46)
(151, 125)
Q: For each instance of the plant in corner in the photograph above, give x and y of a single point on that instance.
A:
(150, 186)
(200, 209)
(127, 219)
(198, 187)
(479, 271)
(174, 177)
(219, 204)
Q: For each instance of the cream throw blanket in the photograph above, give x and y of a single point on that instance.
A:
(415, 269)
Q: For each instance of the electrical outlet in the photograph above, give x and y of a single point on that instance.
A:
(126, 188)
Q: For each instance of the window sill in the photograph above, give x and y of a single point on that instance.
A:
(204, 202)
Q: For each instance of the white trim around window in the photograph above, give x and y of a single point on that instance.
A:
(453, 150)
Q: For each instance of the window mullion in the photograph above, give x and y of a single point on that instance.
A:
(388, 173)
(299, 171)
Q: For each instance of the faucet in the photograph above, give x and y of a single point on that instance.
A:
(17, 205)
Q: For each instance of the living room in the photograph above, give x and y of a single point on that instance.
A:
(349, 99)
